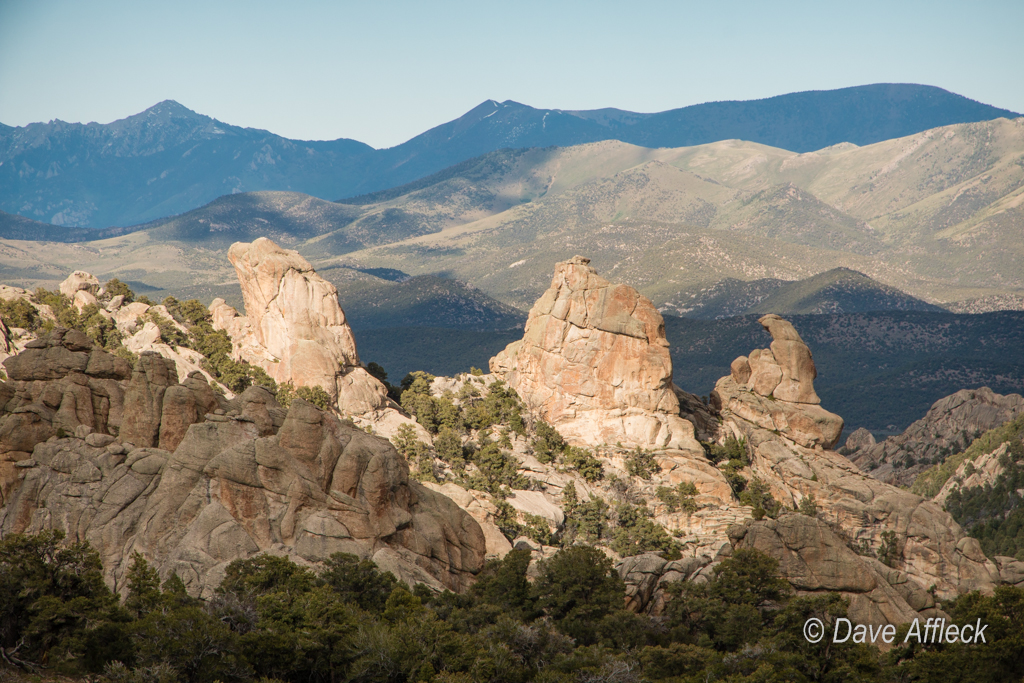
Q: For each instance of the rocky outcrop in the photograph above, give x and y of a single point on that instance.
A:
(294, 328)
(948, 428)
(81, 288)
(647, 576)
(789, 448)
(480, 508)
(812, 558)
(243, 481)
(186, 361)
(815, 560)
(594, 363)
(774, 388)
(860, 438)
(59, 382)
(979, 472)
(64, 385)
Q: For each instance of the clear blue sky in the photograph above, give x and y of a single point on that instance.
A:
(381, 72)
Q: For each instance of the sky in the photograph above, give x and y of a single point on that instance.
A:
(382, 72)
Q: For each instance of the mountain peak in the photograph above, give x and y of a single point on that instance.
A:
(170, 109)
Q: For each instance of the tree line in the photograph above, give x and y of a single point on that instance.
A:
(272, 620)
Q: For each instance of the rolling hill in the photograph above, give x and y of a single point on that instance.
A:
(936, 215)
(168, 159)
(839, 290)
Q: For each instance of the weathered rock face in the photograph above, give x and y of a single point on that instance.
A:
(594, 363)
(774, 388)
(294, 328)
(982, 471)
(59, 384)
(79, 281)
(646, 577)
(948, 428)
(477, 505)
(811, 557)
(252, 480)
(789, 449)
(61, 381)
(814, 560)
(861, 438)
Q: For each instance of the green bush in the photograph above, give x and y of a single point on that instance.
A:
(501, 406)
(680, 498)
(809, 506)
(169, 332)
(587, 522)
(115, 287)
(537, 528)
(637, 533)
(889, 554)
(497, 470)
(19, 313)
(584, 462)
(415, 451)
(548, 444)
(641, 463)
(507, 520)
(577, 589)
(287, 392)
(732, 449)
(55, 606)
(358, 581)
(757, 495)
(377, 371)
(448, 446)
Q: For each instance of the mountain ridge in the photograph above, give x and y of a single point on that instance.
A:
(169, 159)
(935, 215)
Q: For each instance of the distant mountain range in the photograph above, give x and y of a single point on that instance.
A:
(839, 290)
(169, 159)
(708, 231)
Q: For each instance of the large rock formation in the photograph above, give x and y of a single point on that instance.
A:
(948, 428)
(294, 328)
(811, 557)
(815, 560)
(59, 382)
(81, 287)
(789, 444)
(63, 385)
(594, 363)
(976, 473)
(248, 479)
(774, 388)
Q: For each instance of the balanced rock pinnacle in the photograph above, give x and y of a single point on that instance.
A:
(294, 327)
(774, 388)
(768, 404)
(594, 363)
